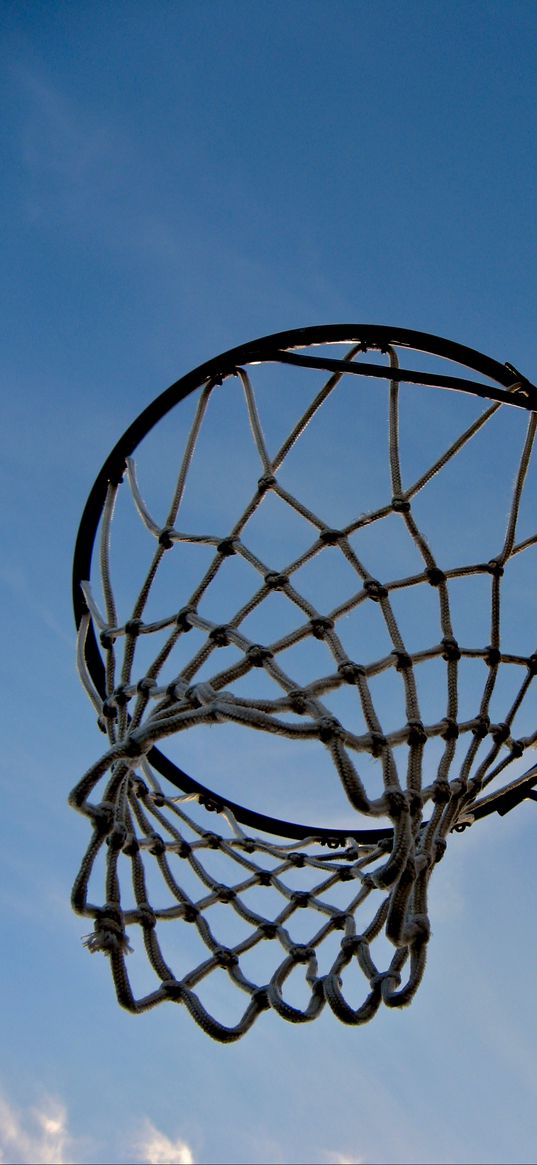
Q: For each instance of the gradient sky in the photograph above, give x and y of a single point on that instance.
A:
(179, 178)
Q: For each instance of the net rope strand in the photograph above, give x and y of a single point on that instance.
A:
(356, 893)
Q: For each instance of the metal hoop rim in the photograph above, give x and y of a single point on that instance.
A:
(278, 348)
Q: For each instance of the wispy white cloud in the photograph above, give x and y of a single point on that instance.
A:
(17, 582)
(39, 1134)
(59, 136)
(153, 1147)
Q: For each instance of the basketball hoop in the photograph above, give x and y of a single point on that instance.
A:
(312, 649)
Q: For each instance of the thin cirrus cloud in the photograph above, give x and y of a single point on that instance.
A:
(60, 138)
(40, 1134)
(154, 1148)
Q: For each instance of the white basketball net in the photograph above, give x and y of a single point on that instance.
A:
(296, 925)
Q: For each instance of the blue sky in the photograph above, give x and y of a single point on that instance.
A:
(180, 178)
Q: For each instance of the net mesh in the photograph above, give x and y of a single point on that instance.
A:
(339, 921)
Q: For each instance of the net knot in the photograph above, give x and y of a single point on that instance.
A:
(298, 700)
(136, 747)
(133, 627)
(301, 898)
(351, 672)
(452, 651)
(451, 731)
(492, 656)
(517, 748)
(108, 933)
(416, 732)
(102, 817)
(264, 878)
(328, 728)
(225, 957)
(119, 696)
(210, 804)
(500, 732)
(402, 660)
(352, 943)
(378, 743)
(435, 576)
(199, 695)
(261, 998)
(158, 799)
(107, 638)
(226, 894)
(301, 953)
(109, 710)
(396, 802)
(219, 635)
(266, 482)
(227, 547)
(276, 581)
(131, 845)
(320, 625)
(117, 838)
(442, 792)
(213, 840)
(330, 537)
(257, 655)
(183, 849)
(532, 665)
(164, 538)
(375, 590)
(190, 912)
(146, 685)
(381, 977)
(481, 727)
(495, 567)
(268, 929)
(183, 618)
(158, 845)
(148, 917)
(400, 505)
(296, 859)
(173, 990)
